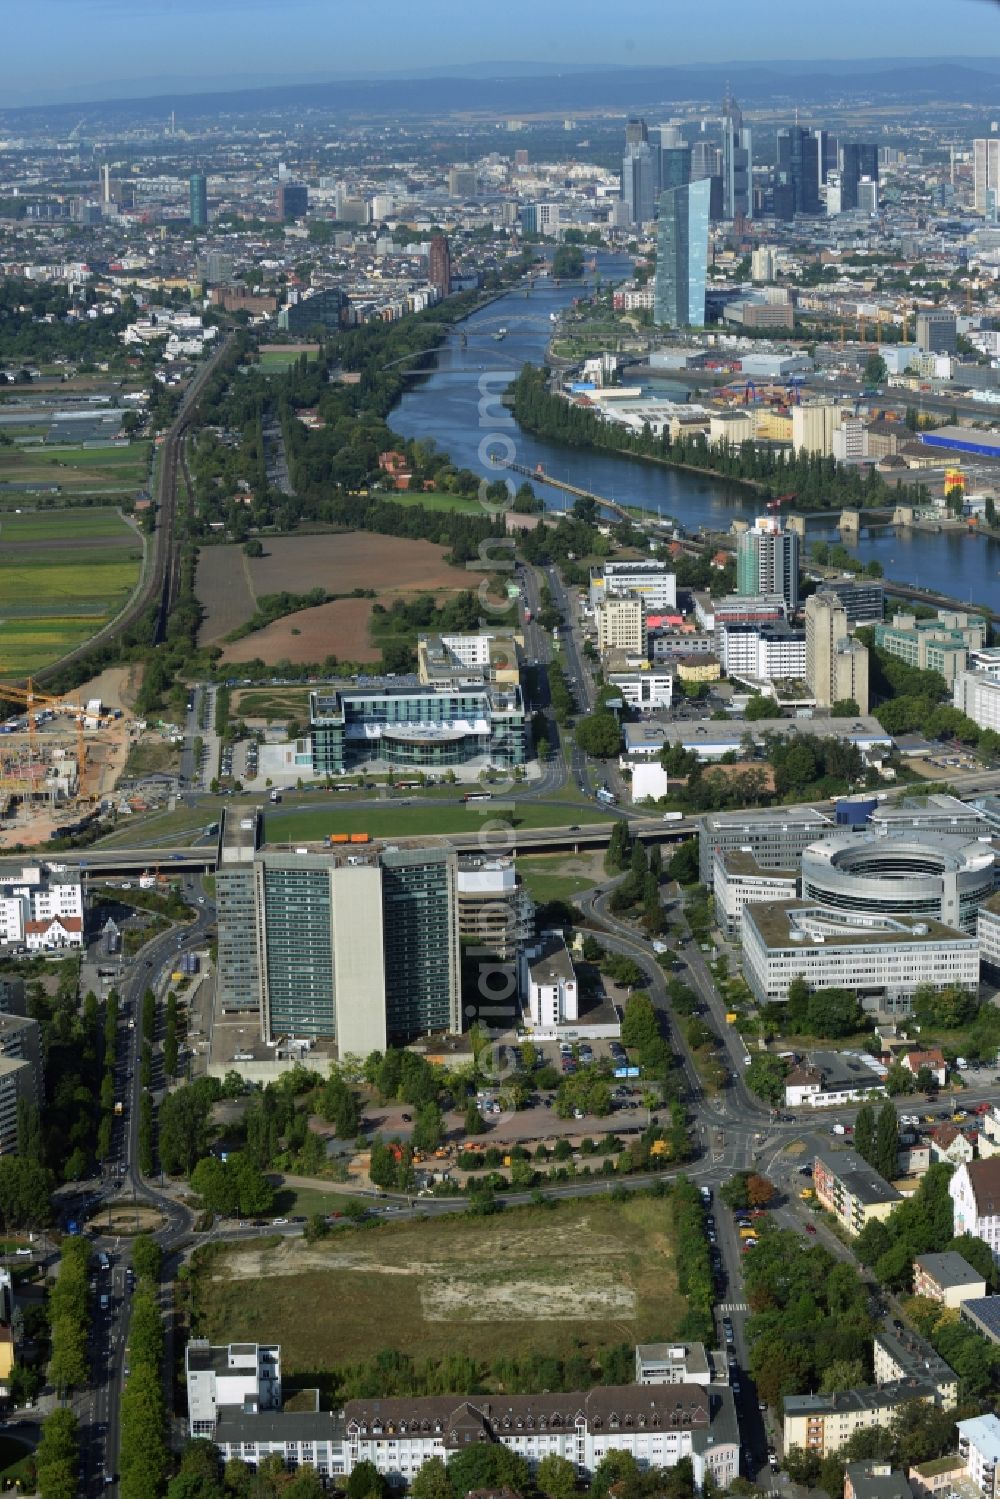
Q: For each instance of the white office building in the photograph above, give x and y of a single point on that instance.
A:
(644, 689)
(738, 881)
(883, 960)
(241, 1376)
(549, 984)
(977, 695)
(651, 581)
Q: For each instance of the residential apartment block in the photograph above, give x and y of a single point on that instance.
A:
(979, 1445)
(947, 1278)
(822, 1424)
(621, 625)
(851, 1190)
(904, 1354)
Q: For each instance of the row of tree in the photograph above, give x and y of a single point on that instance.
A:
(143, 1458)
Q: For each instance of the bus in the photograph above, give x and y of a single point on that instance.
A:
(478, 796)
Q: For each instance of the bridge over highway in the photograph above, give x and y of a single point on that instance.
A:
(102, 863)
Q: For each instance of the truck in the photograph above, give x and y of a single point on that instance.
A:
(527, 616)
(673, 817)
(275, 795)
(607, 797)
(119, 1108)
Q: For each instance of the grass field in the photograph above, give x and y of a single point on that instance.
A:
(559, 876)
(573, 1279)
(437, 500)
(276, 361)
(417, 821)
(62, 575)
(271, 703)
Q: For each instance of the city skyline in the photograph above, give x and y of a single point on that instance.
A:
(91, 49)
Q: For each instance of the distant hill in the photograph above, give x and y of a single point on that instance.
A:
(530, 87)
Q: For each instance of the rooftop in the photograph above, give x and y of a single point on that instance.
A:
(982, 1432)
(983, 1312)
(948, 1269)
(914, 1356)
(866, 1398)
(861, 1180)
(776, 921)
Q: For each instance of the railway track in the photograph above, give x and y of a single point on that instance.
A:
(159, 587)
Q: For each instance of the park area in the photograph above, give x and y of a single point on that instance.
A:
(230, 583)
(593, 1274)
(63, 574)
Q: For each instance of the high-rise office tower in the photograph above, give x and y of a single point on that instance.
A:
(675, 167)
(737, 152)
(292, 201)
(706, 161)
(640, 182)
(636, 133)
(828, 153)
(198, 192)
(682, 256)
(797, 173)
(670, 136)
(359, 945)
(836, 663)
(986, 172)
(767, 561)
(859, 161)
(439, 264)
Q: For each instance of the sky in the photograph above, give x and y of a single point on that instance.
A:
(71, 49)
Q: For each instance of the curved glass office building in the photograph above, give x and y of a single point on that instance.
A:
(913, 874)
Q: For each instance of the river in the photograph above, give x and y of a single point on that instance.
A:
(446, 404)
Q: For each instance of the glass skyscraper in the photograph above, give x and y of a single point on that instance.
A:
(682, 256)
(199, 201)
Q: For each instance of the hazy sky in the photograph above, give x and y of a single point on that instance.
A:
(68, 48)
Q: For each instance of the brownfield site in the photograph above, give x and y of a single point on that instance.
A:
(230, 582)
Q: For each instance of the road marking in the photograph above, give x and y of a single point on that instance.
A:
(734, 1306)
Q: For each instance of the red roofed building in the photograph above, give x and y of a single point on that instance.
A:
(54, 932)
(933, 1060)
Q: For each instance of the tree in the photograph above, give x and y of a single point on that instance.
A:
(876, 371)
(760, 1190)
(555, 1478)
(765, 1076)
(475, 1124)
(431, 1481)
(428, 1130)
(640, 1024)
(886, 1144)
(366, 1480)
(864, 1133)
(57, 1457)
(599, 734)
(844, 707)
(842, 1374)
(486, 1467)
(760, 706)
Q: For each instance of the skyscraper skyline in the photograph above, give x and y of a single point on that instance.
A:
(682, 256)
(198, 189)
(737, 161)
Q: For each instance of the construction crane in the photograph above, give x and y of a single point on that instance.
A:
(32, 700)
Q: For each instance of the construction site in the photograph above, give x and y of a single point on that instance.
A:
(59, 758)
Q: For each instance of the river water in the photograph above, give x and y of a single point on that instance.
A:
(446, 404)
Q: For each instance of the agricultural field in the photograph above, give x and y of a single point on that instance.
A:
(63, 574)
(437, 500)
(339, 629)
(591, 1275)
(229, 584)
(118, 470)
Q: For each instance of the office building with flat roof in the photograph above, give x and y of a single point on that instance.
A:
(775, 836)
(652, 582)
(238, 964)
(836, 663)
(940, 645)
(902, 874)
(356, 944)
(198, 200)
(404, 723)
(882, 959)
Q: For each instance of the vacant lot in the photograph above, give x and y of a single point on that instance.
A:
(229, 582)
(575, 1278)
(271, 702)
(339, 629)
(62, 575)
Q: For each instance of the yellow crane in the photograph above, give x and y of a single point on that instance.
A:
(32, 701)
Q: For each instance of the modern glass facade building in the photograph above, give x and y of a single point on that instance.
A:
(359, 945)
(420, 927)
(199, 200)
(682, 256)
(416, 726)
(767, 561)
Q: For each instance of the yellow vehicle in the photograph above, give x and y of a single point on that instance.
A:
(658, 1147)
(807, 1194)
(731, 1017)
(748, 1233)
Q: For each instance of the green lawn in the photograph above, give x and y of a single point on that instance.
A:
(14, 1460)
(437, 500)
(304, 1201)
(76, 467)
(579, 1277)
(312, 824)
(549, 877)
